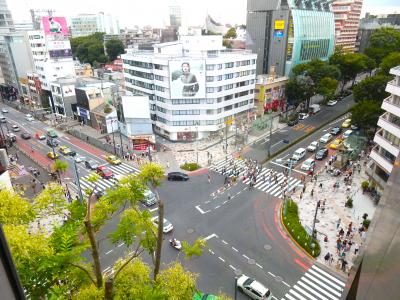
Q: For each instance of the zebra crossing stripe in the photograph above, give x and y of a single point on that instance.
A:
(312, 291)
(297, 295)
(312, 284)
(304, 293)
(317, 280)
(328, 275)
(289, 297)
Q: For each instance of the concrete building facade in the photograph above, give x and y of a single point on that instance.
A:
(387, 138)
(347, 18)
(87, 24)
(192, 105)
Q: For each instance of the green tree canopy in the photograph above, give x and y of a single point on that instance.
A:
(366, 113)
(231, 34)
(350, 64)
(114, 48)
(390, 61)
(327, 87)
(371, 88)
(89, 48)
(382, 42)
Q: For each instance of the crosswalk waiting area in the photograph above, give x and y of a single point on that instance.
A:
(316, 284)
(265, 179)
(103, 184)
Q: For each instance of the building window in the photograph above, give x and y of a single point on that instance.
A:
(210, 90)
(210, 78)
(219, 66)
(159, 78)
(229, 76)
(210, 101)
(229, 65)
(229, 87)
(186, 112)
(219, 77)
(219, 110)
(210, 67)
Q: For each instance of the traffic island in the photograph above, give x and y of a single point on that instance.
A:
(190, 166)
(297, 232)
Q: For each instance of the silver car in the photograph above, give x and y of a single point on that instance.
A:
(253, 288)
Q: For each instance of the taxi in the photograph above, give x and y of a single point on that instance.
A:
(112, 159)
(346, 123)
(335, 144)
(52, 156)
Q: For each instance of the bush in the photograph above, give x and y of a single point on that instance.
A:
(366, 223)
(190, 166)
(349, 203)
(364, 185)
(297, 231)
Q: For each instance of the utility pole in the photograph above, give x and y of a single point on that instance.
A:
(270, 133)
(112, 128)
(315, 219)
(236, 279)
(78, 182)
(226, 138)
(287, 187)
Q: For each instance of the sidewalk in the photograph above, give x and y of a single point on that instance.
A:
(334, 216)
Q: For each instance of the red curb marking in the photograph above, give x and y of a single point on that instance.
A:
(301, 264)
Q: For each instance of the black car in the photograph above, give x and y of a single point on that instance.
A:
(321, 154)
(177, 176)
(293, 122)
(26, 136)
(335, 130)
(52, 143)
(91, 164)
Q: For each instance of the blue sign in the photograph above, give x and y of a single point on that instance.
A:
(84, 113)
(279, 33)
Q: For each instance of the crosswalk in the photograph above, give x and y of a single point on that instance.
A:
(316, 284)
(103, 184)
(265, 181)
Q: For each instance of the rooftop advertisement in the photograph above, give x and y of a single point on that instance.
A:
(187, 79)
(55, 25)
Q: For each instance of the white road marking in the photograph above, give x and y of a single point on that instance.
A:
(260, 266)
(245, 256)
(220, 258)
(218, 206)
(120, 245)
(235, 249)
(209, 250)
(108, 252)
(271, 274)
(224, 242)
(207, 202)
(153, 209)
(285, 283)
(210, 236)
(225, 201)
(106, 269)
(276, 144)
(200, 210)
(232, 267)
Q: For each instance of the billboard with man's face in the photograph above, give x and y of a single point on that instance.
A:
(187, 79)
(55, 25)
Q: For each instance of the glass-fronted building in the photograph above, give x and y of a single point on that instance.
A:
(311, 33)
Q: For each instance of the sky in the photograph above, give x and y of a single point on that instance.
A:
(155, 12)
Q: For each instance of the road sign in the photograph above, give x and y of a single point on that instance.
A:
(230, 121)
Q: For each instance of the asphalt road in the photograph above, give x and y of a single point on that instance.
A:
(259, 149)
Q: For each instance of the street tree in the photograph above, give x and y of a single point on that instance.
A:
(231, 34)
(60, 167)
(151, 175)
(114, 48)
(371, 88)
(89, 49)
(366, 113)
(327, 87)
(382, 42)
(390, 61)
(15, 210)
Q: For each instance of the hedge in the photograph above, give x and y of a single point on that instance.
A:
(190, 166)
(297, 231)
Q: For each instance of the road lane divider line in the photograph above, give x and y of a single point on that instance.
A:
(201, 211)
(271, 274)
(108, 252)
(221, 259)
(120, 245)
(209, 250)
(226, 243)
(232, 267)
(235, 249)
(260, 266)
(218, 206)
(210, 236)
(246, 257)
(285, 284)
(153, 209)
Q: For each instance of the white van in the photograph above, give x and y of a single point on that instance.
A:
(314, 108)
(299, 154)
(308, 164)
(149, 198)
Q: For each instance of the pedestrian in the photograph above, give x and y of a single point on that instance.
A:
(323, 209)
(320, 185)
(312, 192)
(209, 178)
(344, 264)
(301, 195)
(304, 188)
(355, 249)
(327, 257)
(229, 196)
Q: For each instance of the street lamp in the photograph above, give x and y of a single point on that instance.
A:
(270, 134)
(78, 182)
(236, 279)
(287, 187)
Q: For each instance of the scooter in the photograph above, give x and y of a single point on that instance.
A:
(176, 244)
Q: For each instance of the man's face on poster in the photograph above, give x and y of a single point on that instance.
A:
(185, 68)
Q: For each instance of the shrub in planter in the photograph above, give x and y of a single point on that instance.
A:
(364, 185)
(349, 203)
(190, 166)
(366, 223)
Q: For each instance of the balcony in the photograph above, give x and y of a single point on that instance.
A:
(388, 126)
(392, 88)
(389, 106)
(381, 160)
(384, 143)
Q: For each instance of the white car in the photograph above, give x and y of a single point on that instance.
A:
(303, 116)
(308, 164)
(167, 226)
(325, 138)
(29, 118)
(313, 146)
(347, 133)
(15, 128)
(79, 159)
(331, 102)
(253, 288)
(4, 110)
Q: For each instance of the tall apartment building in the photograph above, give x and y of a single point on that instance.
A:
(194, 85)
(175, 17)
(52, 55)
(6, 27)
(347, 18)
(387, 138)
(285, 33)
(87, 24)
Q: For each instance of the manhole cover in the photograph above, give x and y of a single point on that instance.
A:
(238, 272)
(278, 278)
(190, 230)
(267, 247)
(251, 261)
